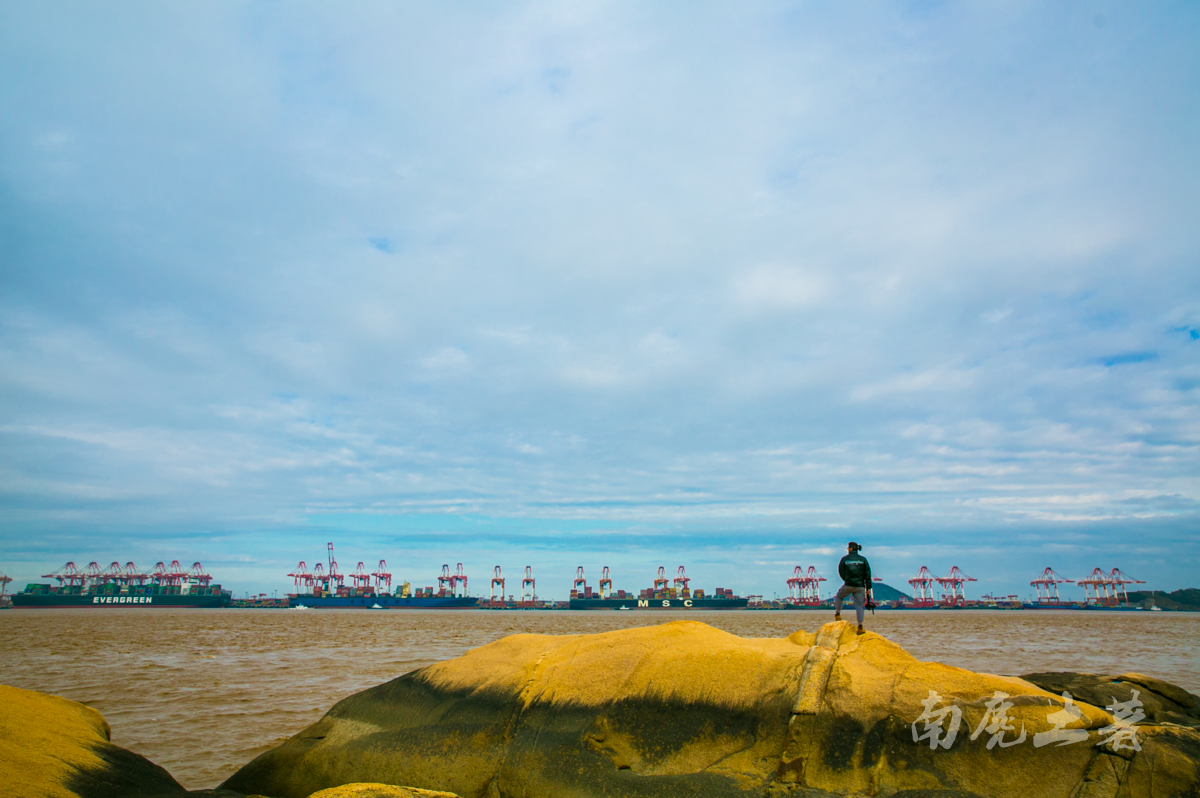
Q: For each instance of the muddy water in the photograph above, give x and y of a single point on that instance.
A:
(201, 692)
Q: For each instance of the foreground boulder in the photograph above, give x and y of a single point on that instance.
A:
(1162, 701)
(54, 748)
(379, 791)
(684, 709)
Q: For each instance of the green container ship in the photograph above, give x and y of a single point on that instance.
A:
(117, 586)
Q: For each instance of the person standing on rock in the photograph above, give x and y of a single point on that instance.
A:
(855, 572)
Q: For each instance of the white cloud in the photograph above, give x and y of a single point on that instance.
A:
(781, 288)
(447, 359)
(766, 276)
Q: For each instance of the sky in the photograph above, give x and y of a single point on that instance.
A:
(634, 284)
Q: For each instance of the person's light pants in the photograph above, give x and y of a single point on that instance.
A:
(859, 594)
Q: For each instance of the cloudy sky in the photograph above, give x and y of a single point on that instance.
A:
(626, 284)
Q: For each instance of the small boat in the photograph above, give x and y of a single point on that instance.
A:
(622, 607)
(298, 607)
(376, 607)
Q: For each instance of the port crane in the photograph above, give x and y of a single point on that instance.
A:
(302, 576)
(922, 588)
(197, 575)
(458, 580)
(527, 584)
(497, 579)
(1119, 579)
(131, 574)
(807, 586)
(382, 576)
(956, 581)
(1047, 586)
(69, 574)
(1093, 584)
(605, 583)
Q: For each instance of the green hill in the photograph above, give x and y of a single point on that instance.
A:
(1186, 599)
(884, 592)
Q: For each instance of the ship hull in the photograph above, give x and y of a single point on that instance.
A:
(40, 601)
(658, 604)
(384, 602)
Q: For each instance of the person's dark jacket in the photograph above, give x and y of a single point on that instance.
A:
(855, 571)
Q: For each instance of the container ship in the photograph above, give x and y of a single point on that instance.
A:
(664, 595)
(325, 587)
(117, 586)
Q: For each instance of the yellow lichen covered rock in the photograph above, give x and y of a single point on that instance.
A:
(361, 790)
(54, 748)
(683, 709)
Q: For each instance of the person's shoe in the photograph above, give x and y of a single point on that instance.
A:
(837, 616)
(861, 631)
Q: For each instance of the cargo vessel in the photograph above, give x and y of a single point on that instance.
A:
(664, 595)
(324, 587)
(117, 586)
(383, 602)
(29, 598)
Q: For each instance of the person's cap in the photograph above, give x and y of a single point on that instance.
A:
(855, 546)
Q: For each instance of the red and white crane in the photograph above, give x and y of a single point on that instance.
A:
(527, 584)
(69, 574)
(497, 579)
(334, 574)
(793, 583)
(197, 575)
(1047, 586)
(112, 574)
(176, 573)
(458, 580)
(93, 574)
(1118, 579)
(359, 577)
(444, 580)
(579, 586)
(303, 576)
(922, 588)
(810, 587)
(319, 577)
(660, 581)
(956, 582)
(131, 574)
(160, 575)
(383, 577)
(681, 581)
(1093, 584)
(605, 583)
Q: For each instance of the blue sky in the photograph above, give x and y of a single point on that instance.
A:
(619, 284)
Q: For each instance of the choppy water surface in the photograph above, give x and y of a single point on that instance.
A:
(202, 692)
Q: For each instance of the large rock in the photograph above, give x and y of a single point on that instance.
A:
(683, 709)
(379, 791)
(1162, 701)
(54, 748)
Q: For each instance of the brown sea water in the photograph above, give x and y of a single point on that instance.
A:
(202, 692)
